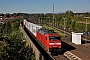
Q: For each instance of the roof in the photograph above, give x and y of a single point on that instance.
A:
(45, 31)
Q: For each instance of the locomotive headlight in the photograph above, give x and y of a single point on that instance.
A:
(59, 46)
(51, 43)
(58, 43)
(50, 46)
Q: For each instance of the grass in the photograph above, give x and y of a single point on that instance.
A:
(47, 27)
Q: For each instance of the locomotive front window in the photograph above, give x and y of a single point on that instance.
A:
(54, 37)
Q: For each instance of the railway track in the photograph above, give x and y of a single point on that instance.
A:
(60, 57)
(44, 55)
(43, 52)
(83, 38)
(68, 54)
(66, 32)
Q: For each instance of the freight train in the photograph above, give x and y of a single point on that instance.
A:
(50, 39)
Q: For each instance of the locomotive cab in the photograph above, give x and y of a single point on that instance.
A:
(54, 43)
(50, 39)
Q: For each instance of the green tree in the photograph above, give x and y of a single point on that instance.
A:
(14, 47)
(69, 14)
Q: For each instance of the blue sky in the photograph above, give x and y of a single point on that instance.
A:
(43, 6)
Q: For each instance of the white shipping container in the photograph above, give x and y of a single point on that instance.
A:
(31, 27)
(35, 27)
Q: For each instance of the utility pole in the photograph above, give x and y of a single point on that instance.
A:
(39, 20)
(55, 22)
(72, 26)
(86, 30)
(49, 21)
(64, 26)
(53, 14)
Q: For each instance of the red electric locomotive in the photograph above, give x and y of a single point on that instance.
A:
(50, 39)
